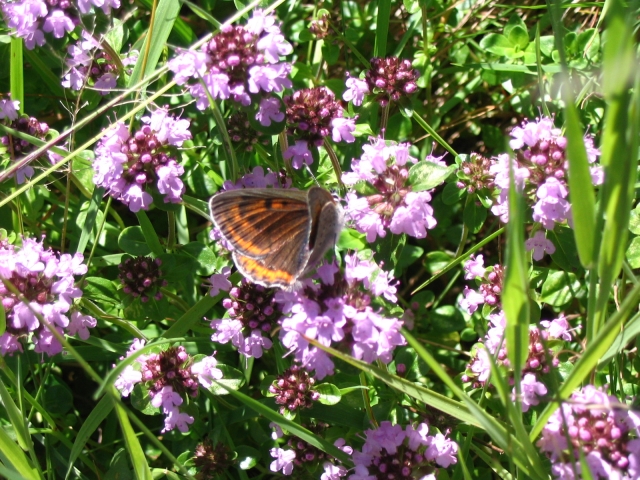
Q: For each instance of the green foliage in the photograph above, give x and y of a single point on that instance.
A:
(483, 70)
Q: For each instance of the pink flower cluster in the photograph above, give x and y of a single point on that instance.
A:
(32, 18)
(237, 63)
(493, 344)
(403, 453)
(127, 165)
(539, 171)
(46, 290)
(335, 310)
(394, 205)
(312, 115)
(597, 427)
(301, 453)
(252, 313)
(490, 284)
(88, 64)
(169, 376)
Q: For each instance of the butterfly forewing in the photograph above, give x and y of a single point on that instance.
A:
(258, 221)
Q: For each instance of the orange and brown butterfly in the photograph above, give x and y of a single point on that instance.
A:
(277, 234)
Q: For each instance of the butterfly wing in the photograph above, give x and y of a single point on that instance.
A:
(280, 268)
(260, 221)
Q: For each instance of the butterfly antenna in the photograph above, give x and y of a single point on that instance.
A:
(312, 175)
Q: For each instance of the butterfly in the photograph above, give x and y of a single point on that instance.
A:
(277, 234)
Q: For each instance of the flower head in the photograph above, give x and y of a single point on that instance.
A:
(403, 453)
(596, 427)
(393, 206)
(47, 292)
(336, 311)
(129, 164)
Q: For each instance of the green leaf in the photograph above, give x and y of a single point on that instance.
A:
(16, 418)
(132, 443)
(247, 457)
(191, 317)
(515, 294)
(426, 175)
(383, 18)
(408, 256)
(330, 53)
(141, 400)
(619, 152)
(131, 240)
(149, 233)
(89, 425)
(497, 44)
(13, 457)
(447, 319)
(560, 288)
(624, 338)
(156, 39)
(634, 220)
(451, 194)
(351, 239)
(329, 393)
(581, 192)
(519, 37)
(3, 319)
(633, 253)
(474, 216)
(204, 257)
(90, 219)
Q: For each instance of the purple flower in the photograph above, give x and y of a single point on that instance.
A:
(558, 328)
(269, 111)
(269, 78)
(220, 282)
(283, 460)
(536, 364)
(391, 78)
(299, 153)
(176, 418)
(356, 90)
(540, 245)
(310, 115)
(391, 204)
(167, 376)
(471, 300)
(188, 64)
(415, 217)
(327, 310)
(252, 313)
(273, 45)
(58, 23)
(206, 370)
(46, 282)
(343, 129)
(127, 380)
(402, 453)
(539, 169)
(237, 60)
(532, 389)
(594, 426)
(551, 207)
(474, 267)
(80, 324)
(127, 165)
(9, 109)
